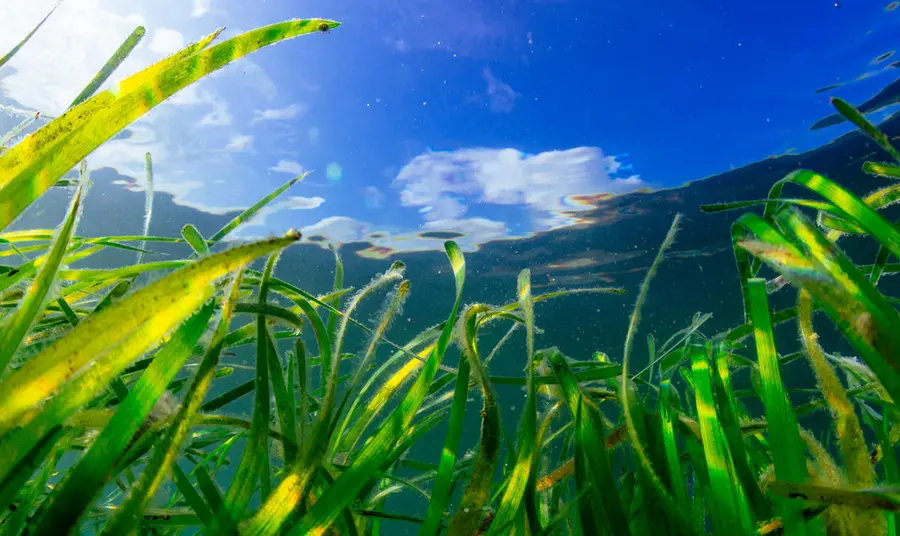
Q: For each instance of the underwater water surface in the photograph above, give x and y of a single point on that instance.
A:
(558, 136)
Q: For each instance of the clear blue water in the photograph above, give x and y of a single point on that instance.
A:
(496, 120)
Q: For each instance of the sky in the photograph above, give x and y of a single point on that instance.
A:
(488, 120)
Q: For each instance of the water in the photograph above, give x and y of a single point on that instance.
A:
(502, 125)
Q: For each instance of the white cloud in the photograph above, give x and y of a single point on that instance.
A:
(76, 41)
(201, 94)
(296, 202)
(220, 116)
(166, 41)
(344, 230)
(288, 112)
(287, 166)
(239, 143)
(201, 7)
(66, 53)
(547, 183)
(126, 156)
(191, 96)
(338, 229)
(444, 208)
(473, 231)
(443, 185)
(254, 75)
(185, 165)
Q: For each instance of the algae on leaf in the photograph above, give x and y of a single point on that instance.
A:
(37, 162)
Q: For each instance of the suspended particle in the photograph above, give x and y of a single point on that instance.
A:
(827, 88)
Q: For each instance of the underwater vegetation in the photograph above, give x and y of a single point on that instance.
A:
(107, 424)
(887, 96)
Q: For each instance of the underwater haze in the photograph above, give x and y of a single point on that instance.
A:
(587, 159)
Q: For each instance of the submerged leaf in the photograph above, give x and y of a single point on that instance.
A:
(167, 449)
(86, 479)
(35, 164)
(155, 309)
(14, 327)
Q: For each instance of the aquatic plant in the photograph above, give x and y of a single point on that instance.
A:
(105, 383)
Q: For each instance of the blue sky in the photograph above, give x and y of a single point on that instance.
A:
(485, 118)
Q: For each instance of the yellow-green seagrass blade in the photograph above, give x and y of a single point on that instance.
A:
(46, 372)
(34, 165)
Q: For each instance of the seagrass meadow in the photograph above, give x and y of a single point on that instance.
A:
(113, 419)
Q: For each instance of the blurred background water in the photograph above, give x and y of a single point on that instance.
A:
(557, 135)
